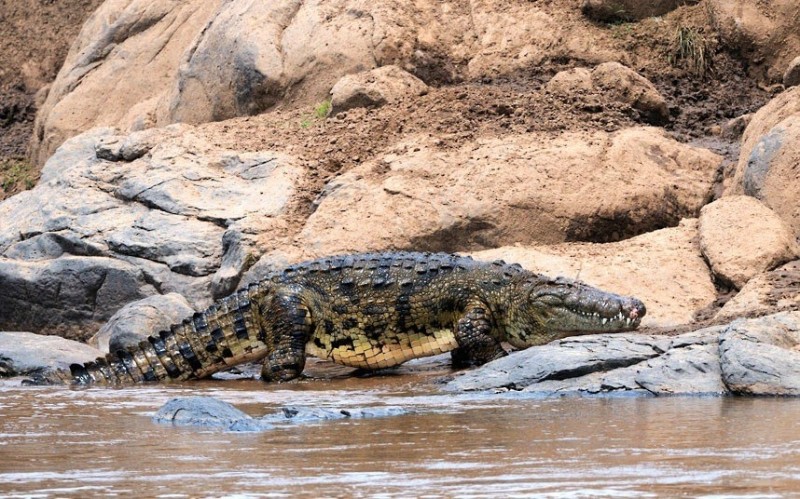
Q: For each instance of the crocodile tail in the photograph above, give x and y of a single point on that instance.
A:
(227, 333)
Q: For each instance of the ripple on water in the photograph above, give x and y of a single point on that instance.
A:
(102, 442)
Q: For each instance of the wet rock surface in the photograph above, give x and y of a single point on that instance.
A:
(214, 413)
(745, 357)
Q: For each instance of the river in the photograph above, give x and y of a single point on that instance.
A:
(59, 442)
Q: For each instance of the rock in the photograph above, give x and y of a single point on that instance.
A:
(761, 357)
(628, 10)
(561, 359)
(95, 234)
(619, 82)
(24, 354)
(526, 189)
(214, 413)
(762, 33)
(746, 357)
(628, 86)
(70, 295)
(664, 269)
(138, 320)
(734, 129)
(384, 85)
(570, 82)
(767, 293)
(740, 237)
(767, 163)
(146, 63)
(791, 76)
(609, 364)
(199, 411)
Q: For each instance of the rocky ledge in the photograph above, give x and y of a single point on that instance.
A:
(746, 357)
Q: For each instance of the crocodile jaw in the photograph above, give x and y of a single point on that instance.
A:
(566, 306)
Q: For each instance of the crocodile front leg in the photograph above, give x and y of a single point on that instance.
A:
(476, 344)
(291, 328)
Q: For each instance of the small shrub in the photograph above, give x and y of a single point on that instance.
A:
(691, 49)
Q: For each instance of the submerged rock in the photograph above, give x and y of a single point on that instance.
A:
(212, 412)
(25, 354)
(746, 357)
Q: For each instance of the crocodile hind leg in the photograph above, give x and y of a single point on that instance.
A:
(476, 345)
(291, 329)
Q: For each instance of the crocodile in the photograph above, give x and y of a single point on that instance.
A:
(369, 311)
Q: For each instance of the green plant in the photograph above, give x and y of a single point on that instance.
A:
(16, 174)
(320, 112)
(691, 49)
(323, 109)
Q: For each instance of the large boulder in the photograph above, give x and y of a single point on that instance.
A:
(761, 357)
(764, 33)
(526, 189)
(25, 354)
(767, 293)
(769, 156)
(746, 357)
(144, 63)
(740, 238)
(118, 218)
(627, 363)
(664, 269)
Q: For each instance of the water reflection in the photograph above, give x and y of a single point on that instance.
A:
(56, 442)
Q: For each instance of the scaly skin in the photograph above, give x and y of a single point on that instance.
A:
(369, 311)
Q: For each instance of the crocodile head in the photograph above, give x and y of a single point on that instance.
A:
(556, 308)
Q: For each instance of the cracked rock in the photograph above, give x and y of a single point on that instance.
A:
(95, 235)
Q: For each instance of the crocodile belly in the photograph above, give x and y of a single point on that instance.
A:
(365, 353)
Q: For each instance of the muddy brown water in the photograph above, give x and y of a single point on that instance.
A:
(57, 442)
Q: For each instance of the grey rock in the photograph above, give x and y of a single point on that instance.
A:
(71, 295)
(761, 356)
(236, 258)
(199, 411)
(619, 364)
(166, 212)
(214, 413)
(23, 354)
(689, 367)
(760, 160)
(138, 320)
(563, 359)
